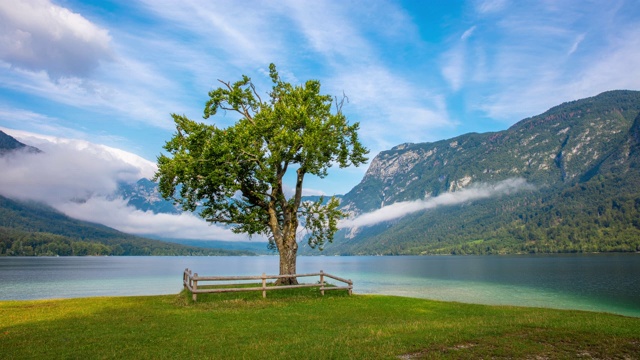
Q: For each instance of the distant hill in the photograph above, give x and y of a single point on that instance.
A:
(30, 228)
(582, 158)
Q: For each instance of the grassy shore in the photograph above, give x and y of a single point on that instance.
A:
(303, 325)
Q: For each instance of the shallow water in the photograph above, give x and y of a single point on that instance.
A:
(600, 282)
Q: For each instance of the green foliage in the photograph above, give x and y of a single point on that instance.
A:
(236, 174)
(302, 325)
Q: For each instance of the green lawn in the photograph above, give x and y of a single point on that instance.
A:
(303, 325)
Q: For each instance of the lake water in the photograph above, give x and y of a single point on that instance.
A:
(600, 282)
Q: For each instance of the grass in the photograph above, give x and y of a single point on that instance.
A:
(301, 324)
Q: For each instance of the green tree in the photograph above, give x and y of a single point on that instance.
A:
(237, 173)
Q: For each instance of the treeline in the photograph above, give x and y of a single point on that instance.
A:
(22, 243)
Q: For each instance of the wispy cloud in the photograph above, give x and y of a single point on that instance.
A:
(468, 33)
(490, 6)
(544, 54)
(472, 193)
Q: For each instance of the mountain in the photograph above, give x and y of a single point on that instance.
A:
(8, 144)
(582, 158)
(31, 228)
(144, 195)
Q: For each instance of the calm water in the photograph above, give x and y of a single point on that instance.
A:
(603, 282)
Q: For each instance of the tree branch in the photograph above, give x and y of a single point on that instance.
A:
(340, 103)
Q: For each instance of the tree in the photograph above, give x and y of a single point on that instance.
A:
(236, 174)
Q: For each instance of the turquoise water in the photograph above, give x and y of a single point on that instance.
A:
(601, 282)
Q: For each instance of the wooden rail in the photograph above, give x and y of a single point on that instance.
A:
(191, 281)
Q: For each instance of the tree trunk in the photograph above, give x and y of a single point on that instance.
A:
(288, 256)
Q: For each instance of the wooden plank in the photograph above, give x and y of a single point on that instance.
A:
(228, 278)
(279, 287)
(338, 278)
(194, 292)
(223, 290)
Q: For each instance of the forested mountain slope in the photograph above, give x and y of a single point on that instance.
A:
(580, 161)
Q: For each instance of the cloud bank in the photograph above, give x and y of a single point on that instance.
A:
(78, 178)
(400, 209)
(116, 214)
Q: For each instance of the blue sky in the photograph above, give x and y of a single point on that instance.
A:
(111, 72)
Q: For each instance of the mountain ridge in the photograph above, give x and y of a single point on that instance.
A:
(580, 143)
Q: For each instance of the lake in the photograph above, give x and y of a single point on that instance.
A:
(597, 282)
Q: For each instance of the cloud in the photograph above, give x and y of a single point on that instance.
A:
(565, 52)
(67, 169)
(575, 45)
(38, 35)
(453, 67)
(490, 6)
(391, 109)
(468, 33)
(241, 33)
(78, 178)
(401, 209)
(116, 214)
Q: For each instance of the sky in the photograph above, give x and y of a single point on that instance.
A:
(106, 75)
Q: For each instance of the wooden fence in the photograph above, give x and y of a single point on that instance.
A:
(192, 281)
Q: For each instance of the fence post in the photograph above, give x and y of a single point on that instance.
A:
(195, 286)
(185, 278)
(322, 282)
(350, 286)
(264, 285)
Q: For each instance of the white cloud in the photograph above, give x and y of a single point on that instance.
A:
(391, 109)
(490, 6)
(575, 45)
(67, 169)
(99, 152)
(38, 35)
(401, 209)
(453, 67)
(78, 178)
(116, 214)
(565, 52)
(243, 33)
(468, 33)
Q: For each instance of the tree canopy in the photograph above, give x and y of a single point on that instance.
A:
(236, 175)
